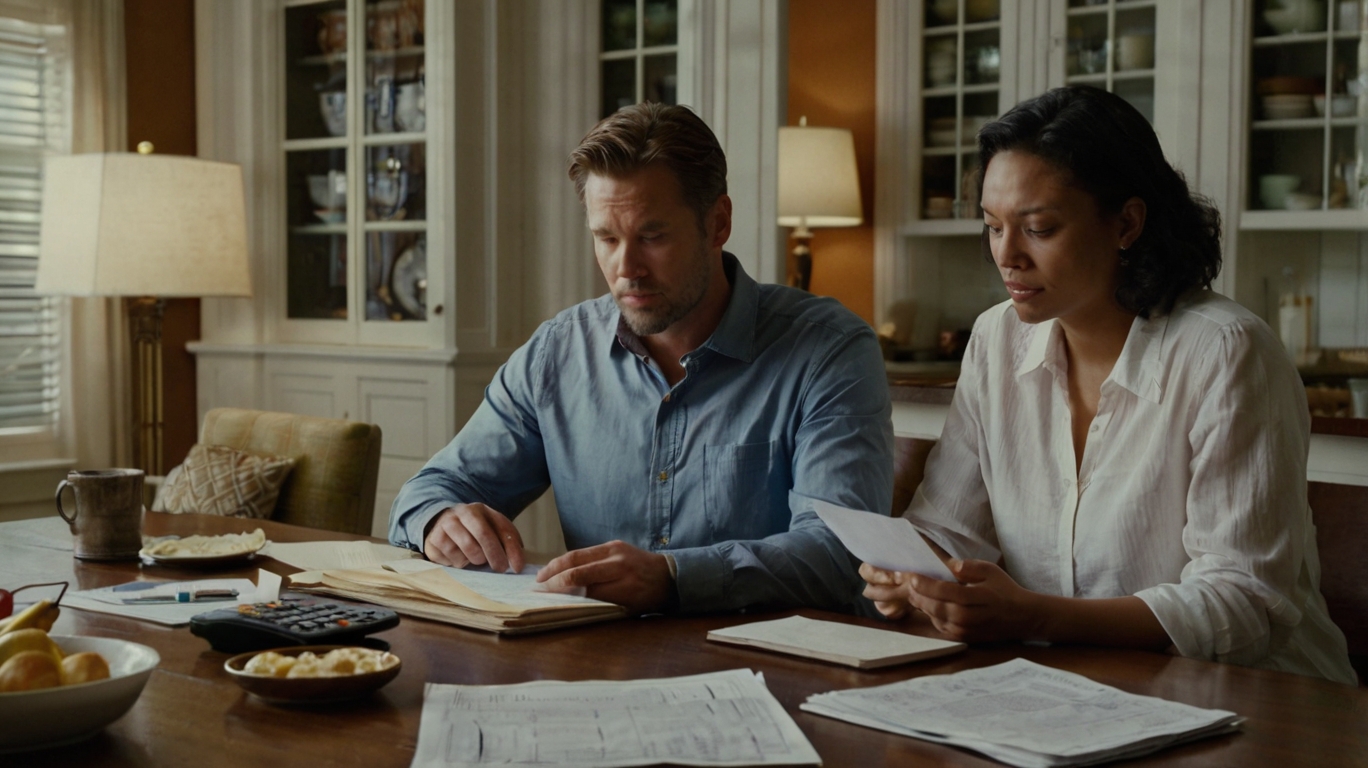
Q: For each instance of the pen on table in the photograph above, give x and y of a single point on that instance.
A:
(199, 596)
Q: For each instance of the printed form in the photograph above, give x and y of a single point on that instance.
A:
(721, 718)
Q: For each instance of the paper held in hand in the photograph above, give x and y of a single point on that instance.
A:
(849, 644)
(890, 543)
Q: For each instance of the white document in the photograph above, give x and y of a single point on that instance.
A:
(519, 590)
(890, 543)
(1025, 714)
(331, 555)
(849, 644)
(171, 614)
(721, 718)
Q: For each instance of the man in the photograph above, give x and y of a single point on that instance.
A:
(685, 421)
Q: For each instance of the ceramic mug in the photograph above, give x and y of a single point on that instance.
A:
(107, 517)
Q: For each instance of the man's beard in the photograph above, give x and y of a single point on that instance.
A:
(652, 321)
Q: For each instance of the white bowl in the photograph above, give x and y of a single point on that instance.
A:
(1296, 16)
(1274, 188)
(332, 215)
(69, 713)
(1341, 105)
(328, 190)
(1301, 201)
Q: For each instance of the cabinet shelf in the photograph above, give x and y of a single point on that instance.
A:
(1117, 76)
(405, 225)
(1101, 10)
(1298, 38)
(1338, 219)
(1304, 123)
(319, 229)
(340, 57)
(942, 227)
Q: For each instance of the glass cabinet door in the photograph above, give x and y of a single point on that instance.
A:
(638, 53)
(355, 162)
(1110, 45)
(961, 66)
(1307, 119)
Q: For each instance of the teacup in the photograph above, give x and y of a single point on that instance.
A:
(107, 517)
(409, 108)
(333, 106)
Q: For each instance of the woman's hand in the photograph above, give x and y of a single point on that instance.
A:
(985, 605)
(887, 589)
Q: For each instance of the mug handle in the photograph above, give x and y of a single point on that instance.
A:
(60, 487)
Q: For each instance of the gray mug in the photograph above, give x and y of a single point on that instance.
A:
(107, 517)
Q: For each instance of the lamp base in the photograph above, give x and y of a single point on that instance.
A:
(145, 329)
(800, 260)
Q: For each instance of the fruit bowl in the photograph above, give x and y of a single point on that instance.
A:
(53, 716)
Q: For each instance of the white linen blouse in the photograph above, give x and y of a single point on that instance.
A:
(1191, 494)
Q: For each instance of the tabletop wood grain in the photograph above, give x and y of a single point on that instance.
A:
(192, 714)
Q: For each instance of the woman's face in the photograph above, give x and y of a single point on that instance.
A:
(1059, 255)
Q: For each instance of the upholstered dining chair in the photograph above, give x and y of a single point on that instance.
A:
(337, 463)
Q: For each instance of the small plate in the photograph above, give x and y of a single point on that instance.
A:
(307, 690)
(247, 551)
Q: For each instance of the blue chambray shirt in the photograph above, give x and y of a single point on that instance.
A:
(785, 403)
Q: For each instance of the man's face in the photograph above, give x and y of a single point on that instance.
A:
(657, 262)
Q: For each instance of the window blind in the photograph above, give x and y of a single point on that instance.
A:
(34, 89)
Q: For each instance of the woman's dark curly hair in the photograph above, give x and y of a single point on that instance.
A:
(1112, 153)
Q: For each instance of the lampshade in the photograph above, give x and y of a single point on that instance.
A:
(818, 183)
(124, 224)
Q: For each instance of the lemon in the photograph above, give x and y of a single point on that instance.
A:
(21, 640)
(29, 671)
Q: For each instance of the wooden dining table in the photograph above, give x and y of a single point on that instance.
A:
(192, 714)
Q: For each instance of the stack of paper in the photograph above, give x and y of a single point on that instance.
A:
(507, 603)
(1025, 714)
(849, 644)
(721, 718)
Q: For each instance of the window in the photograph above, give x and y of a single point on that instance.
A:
(34, 96)
(639, 60)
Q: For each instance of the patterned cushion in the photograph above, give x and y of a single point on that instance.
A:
(216, 480)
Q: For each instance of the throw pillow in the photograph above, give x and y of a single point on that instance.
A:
(217, 480)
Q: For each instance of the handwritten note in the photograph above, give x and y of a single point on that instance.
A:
(890, 543)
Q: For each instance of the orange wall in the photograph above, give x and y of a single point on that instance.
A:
(159, 39)
(831, 70)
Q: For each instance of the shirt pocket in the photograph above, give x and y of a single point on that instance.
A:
(746, 496)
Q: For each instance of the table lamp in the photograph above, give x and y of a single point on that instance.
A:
(149, 227)
(819, 186)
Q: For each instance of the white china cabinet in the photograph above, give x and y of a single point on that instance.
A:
(1286, 171)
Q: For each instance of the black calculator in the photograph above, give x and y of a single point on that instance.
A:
(291, 621)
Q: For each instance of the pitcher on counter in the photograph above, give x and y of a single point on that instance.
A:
(1124, 463)
(686, 420)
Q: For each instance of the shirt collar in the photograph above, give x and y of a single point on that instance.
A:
(1137, 369)
(735, 333)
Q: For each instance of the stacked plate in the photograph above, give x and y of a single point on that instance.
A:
(1287, 106)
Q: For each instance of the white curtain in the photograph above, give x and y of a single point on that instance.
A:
(96, 402)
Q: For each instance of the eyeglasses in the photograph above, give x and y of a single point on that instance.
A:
(7, 595)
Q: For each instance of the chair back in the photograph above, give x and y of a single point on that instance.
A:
(1340, 513)
(337, 463)
(909, 466)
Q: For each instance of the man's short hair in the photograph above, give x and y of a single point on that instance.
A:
(637, 136)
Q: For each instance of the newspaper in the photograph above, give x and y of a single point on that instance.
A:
(1025, 714)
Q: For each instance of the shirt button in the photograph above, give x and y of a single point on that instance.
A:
(663, 476)
(663, 540)
(1095, 427)
(667, 397)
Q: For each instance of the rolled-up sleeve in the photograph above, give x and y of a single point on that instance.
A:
(1247, 516)
(843, 454)
(474, 466)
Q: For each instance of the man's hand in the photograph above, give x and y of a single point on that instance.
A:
(985, 605)
(473, 534)
(615, 572)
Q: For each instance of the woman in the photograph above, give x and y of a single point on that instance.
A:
(1125, 460)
